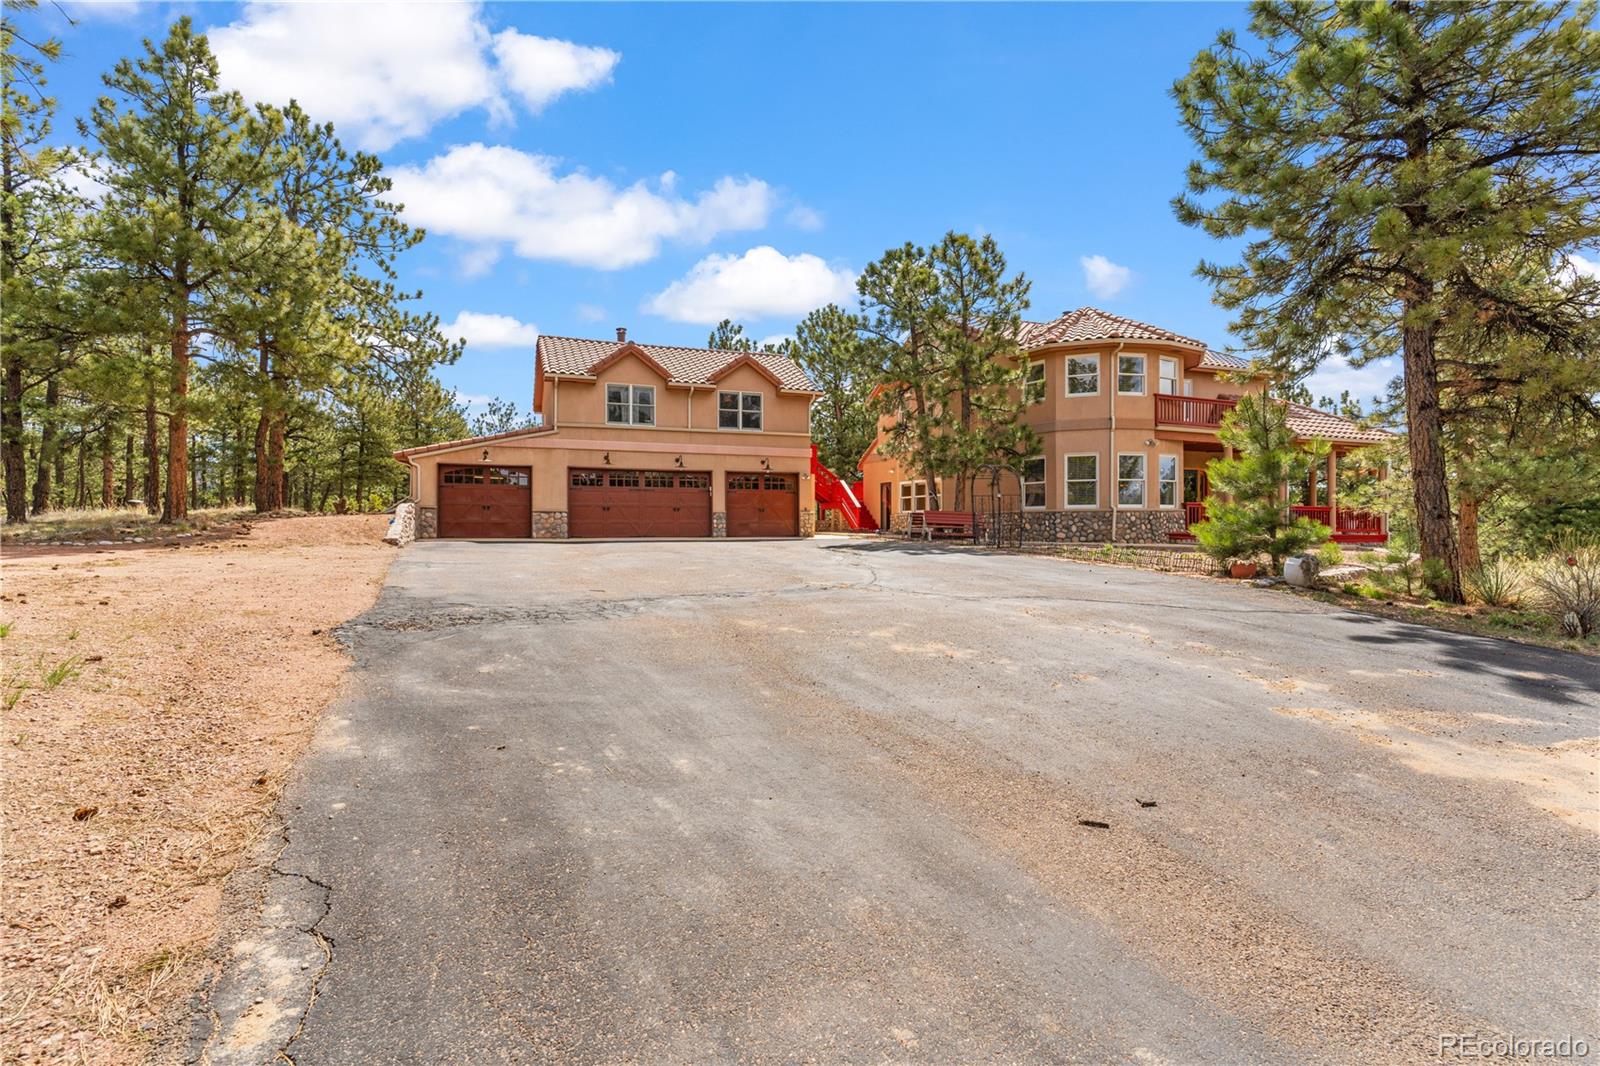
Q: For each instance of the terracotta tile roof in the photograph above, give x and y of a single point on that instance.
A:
(1221, 361)
(532, 431)
(1093, 324)
(684, 366)
(1309, 422)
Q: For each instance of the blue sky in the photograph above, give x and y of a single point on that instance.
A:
(580, 167)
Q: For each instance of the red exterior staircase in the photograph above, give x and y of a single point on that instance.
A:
(833, 494)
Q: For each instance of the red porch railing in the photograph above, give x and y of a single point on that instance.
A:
(833, 493)
(1350, 527)
(1190, 411)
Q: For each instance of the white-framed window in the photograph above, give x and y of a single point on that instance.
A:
(1168, 380)
(1033, 483)
(1167, 474)
(1130, 479)
(631, 405)
(913, 495)
(1083, 375)
(1130, 375)
(738, 410)
(1033, 383)
(1083, 480)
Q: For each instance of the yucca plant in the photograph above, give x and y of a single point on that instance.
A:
(1496, 582)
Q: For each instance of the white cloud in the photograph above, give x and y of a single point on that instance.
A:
(1335, 376)
(1583, 267)
(591, 312)
(382, 74)
(476, 261)
(489, 195)
(802, 217)
(1103, 277)
(472, 399)
(775, 340)
(491, 331)
(759, 283)
(539, 69)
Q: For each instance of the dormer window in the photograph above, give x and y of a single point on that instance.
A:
(631, 405)
(739, 410)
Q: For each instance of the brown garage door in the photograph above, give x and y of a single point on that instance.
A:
(485, 502)
(638, 503)
(763, 505)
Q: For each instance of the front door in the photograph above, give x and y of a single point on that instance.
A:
(1196, 486)
(885, 495)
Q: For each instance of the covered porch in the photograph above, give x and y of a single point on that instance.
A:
(1317, 499)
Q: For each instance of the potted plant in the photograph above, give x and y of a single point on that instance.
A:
(1242, 568)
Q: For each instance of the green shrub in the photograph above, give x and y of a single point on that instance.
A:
(1497, 582)
(1568, 581)
(1330, 554)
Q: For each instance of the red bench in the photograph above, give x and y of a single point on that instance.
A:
(931, 524)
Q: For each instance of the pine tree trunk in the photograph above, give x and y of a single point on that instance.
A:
(278, 479)
(176, 506)
(1425, 428)
(127, 469)
(80, 494)
(1467, 526)
(194, 474)
(152, 452)
(48, 448)
(12, 454)
(108, 470)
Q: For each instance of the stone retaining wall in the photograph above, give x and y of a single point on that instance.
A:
(403, 526)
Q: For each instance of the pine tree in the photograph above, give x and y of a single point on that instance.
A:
(940, 327)
(37, 236)
(185, 164)
(1247, 513)
(828, 346)
(1375, 155)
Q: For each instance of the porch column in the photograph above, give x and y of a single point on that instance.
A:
(1333, 490)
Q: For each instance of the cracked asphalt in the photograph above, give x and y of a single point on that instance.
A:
(824, 801)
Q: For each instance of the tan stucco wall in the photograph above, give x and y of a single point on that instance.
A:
(572, 403)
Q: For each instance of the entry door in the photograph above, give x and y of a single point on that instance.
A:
(485, 502)
(763, 505)
(1196, 485)
(885, 501)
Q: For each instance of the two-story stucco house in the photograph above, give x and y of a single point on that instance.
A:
(1127, 416)
(635, 440)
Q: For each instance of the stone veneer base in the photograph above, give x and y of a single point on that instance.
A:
(550, 525)
(1077, 527)
(719, 523)
(427, 523)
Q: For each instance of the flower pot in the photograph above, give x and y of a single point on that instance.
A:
(1242, 570)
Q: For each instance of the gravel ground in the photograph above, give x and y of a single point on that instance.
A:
(848, 801)
(187, 681)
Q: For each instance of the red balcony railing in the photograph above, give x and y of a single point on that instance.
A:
(1349, 527)
(1190, 411)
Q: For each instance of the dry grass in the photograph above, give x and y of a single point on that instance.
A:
(115, 524)
(153, 699)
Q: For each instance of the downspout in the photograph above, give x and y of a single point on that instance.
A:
(1111, 452)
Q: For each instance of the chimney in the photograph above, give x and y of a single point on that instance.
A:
(622, 334)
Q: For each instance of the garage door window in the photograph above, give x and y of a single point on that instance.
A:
(694, 481)
(738, 410)
(587, 479)
(744, 481)
(631, 405)
(625, 479)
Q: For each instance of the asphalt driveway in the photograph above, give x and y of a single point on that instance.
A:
(827, 801)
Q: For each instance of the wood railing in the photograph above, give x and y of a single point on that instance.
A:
(1190, 411)
(1363, 524)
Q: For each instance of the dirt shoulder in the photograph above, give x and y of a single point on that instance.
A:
(155, 696)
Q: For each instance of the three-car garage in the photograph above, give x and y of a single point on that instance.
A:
(495, 502)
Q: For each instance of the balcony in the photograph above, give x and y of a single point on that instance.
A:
(1190, 411)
